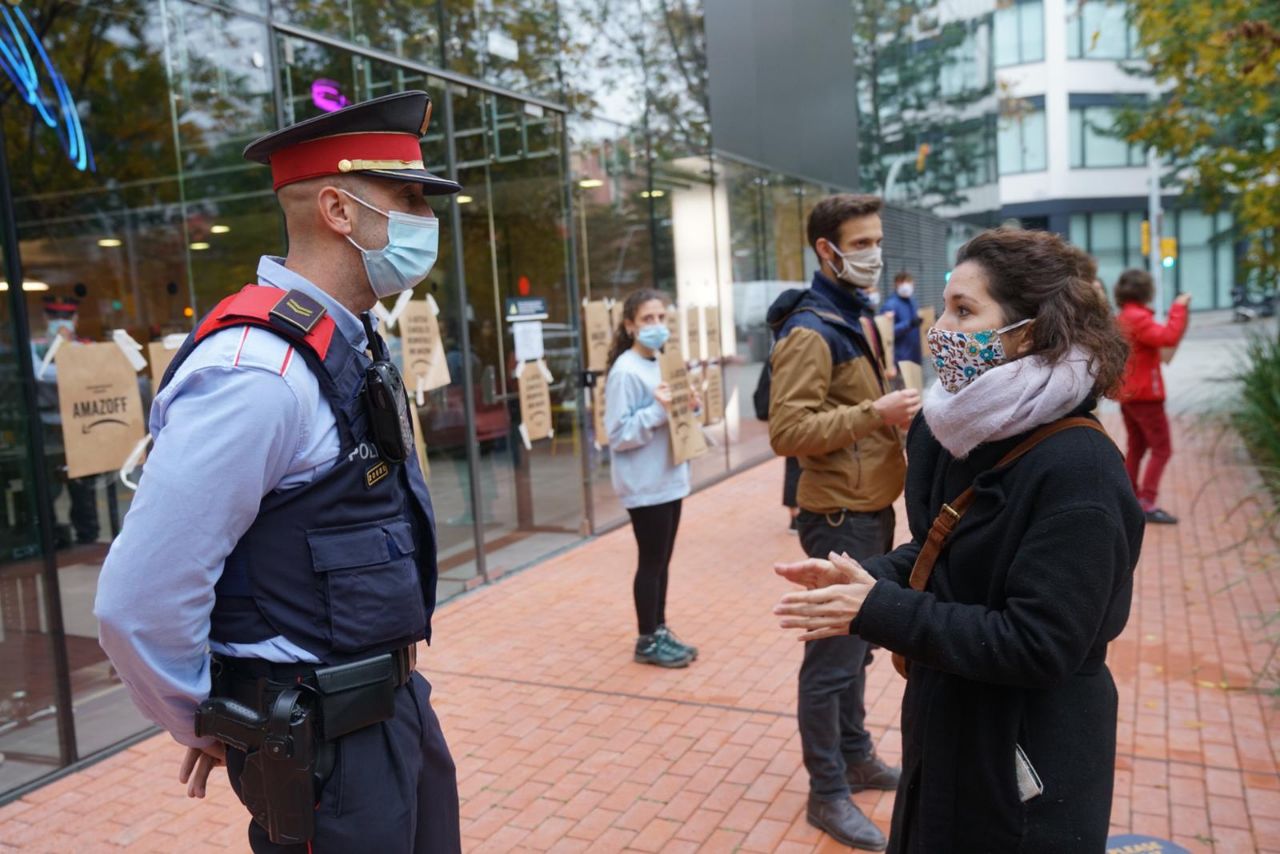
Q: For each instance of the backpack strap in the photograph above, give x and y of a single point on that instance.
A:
(952, 512)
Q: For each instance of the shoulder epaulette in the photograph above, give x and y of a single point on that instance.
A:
(292, 313)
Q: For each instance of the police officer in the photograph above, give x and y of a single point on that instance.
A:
(283, 524)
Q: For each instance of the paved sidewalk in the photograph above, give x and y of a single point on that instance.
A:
(562, 743)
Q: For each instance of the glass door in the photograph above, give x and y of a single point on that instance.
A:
(515, 245)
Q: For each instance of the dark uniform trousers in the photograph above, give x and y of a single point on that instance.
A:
(393, 789)
(831, 710)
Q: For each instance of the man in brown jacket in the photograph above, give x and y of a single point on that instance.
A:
(829, 406)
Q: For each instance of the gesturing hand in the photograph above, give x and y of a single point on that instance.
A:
(837, 589)
(197, 764)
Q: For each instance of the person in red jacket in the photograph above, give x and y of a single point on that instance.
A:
(1142, 395)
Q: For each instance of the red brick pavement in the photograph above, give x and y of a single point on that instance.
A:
(563, 744)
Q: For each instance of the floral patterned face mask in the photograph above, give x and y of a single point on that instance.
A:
(962, 357)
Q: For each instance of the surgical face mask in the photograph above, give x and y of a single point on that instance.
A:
(59, 324)
(413, 243)
(962, 357)
(906, 289)
(654, 335)
(861, 268)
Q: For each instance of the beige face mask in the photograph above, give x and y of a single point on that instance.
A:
(861, 268)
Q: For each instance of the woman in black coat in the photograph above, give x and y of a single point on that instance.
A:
(1009, 715)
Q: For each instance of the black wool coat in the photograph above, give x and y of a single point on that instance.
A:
(1008, 643)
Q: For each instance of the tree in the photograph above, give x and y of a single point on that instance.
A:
(1217, 119)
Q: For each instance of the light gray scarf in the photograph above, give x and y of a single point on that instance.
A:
(1007, 400)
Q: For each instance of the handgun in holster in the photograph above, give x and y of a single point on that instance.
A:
(278, 781)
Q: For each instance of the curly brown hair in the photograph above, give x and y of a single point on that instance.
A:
(1039, 275)
(1135, 285)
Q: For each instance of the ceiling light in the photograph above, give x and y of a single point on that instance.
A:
(26, 286)
(220, 229)
(590, 183)
(199, 245)
(109, 242)
(465, 200)
(652, 194)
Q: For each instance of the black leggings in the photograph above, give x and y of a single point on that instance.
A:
(655, 530)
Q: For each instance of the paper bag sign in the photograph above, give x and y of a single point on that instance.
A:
(711, 322)
(884, 326)
(686, 433)
(599, 334)
(912, 375)
(421, 350)
(535, 402)
(158, 357)
(693, 327)
(673, 326)
(102, 417)
(928, 317)
(713, 396)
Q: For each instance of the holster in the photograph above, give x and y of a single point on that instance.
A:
(285, 719)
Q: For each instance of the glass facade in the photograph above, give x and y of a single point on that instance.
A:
(1021, 142)
(1019, 32)
(1095, 143)
(581, 135)
(1206, 263)
(1100, 29)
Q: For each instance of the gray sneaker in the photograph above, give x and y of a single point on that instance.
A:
(871, 773)
(654, 649)
(670, 637)
(844, 822)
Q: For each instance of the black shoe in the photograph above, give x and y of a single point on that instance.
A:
(871, 773)
(846, 824)
(1156, 516)
(669, 636)
(652, 649)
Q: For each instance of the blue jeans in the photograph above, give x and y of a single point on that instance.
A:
(831, 710)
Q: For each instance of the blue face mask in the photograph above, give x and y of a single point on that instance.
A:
(653, 336)
(58, 324)
(413, 243)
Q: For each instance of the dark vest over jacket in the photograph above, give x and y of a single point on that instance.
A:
(343, 566)
(1008, 643)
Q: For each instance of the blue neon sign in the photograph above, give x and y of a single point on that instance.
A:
(58, 110)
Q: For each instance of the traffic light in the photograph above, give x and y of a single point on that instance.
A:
(1146, 237)
(1168, 251)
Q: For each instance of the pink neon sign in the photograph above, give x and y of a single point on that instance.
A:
(326, 95)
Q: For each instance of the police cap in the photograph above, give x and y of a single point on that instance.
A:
(379, 138)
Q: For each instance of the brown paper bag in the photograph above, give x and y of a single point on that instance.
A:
(535, 402)
(598, 333)
(419, 444)
(158, 358)
(912, 375)
(711, 323)
(693, 329)
(597, 415)
(421, 350)
(884, 325)
(713, 396)
(615, 314)
(686, 433)
(102, 417)
(673, 326)
(928, 317)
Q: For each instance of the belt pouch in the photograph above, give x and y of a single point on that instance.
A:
(356, 695)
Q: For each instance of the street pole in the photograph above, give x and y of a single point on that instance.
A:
(1155, 219)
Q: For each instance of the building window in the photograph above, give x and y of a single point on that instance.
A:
(1099, 29)
(1019, 33)
(1020, 144)
(1094, 143)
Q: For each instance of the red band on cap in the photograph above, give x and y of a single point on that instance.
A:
(317, 157)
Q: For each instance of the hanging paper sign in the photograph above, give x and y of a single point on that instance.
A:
(711, 323)
(687, 441)
(598, 331)
(597, 416)
(535, 402)
(928, 317)
(160, 354)
(713, 396)
(421, 350)
(419, 444)
(615, 313)
(884, 325)
(673, 326)
(693, 327)
(528, 336)
(912, 375)
(102, 418)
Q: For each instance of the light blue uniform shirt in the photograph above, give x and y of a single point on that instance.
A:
(242, 417)
(641, 466)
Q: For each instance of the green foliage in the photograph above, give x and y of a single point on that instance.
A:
(1257, 415)
(1218, 119)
